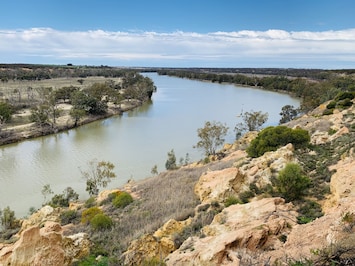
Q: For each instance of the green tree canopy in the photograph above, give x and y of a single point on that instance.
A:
(6, 111)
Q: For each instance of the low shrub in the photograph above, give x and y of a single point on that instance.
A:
(331, 105)
(291, 182)
(122, 200)
(272, 138)
(90, 202)
(101, 222)
(308, 211)
(231, 201)
(67, 217)
(88, 214)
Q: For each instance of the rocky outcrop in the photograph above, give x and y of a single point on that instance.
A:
(255, 226)
(41, 242)
(221, 184)
(156, 246)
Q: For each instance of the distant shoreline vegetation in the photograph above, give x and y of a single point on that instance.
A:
(313, 86)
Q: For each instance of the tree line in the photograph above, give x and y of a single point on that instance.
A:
(313, 90)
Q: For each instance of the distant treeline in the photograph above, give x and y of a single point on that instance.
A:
(314, 87)
(40, 72)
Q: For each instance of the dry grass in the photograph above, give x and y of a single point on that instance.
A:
(19, 92)
(169, 195)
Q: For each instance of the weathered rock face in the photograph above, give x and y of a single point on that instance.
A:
(44, 243)
(256, 225)
(219, 185)
(156, 246)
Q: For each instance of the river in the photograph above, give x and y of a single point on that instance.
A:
(134, 142)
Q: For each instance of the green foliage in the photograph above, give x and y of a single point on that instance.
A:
(62, 200)
(288, 113)
(101, 222)
(252, 121)
(68, 216)
(8, 219)
(90, 202)
(291, 182)
(99, 174)
(40, 114)
(170, 163)
(272, 138)
(231, 201)
(122, 200)
(6, 112)
(211, 137)
(92, 261)
(46, 191)
(308, 211)
(88, 214)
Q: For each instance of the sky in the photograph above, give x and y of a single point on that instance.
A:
(180, 33)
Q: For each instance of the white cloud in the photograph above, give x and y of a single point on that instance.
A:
(272, 48)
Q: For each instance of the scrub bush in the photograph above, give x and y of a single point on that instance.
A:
(88, 214)
(101, 222)
(272, 138)
(122, 200)
(291, 183)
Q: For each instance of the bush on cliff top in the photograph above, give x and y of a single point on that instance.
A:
(272, 138)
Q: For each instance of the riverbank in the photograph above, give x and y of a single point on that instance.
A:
(17, 133)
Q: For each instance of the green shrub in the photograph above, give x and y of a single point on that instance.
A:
(90, 202)
(328, 111)
(101, 222)
(122, 200)
(246, 195)
(343, 104)
(231, 201)
(88, 214)
(272, 138)
(331, 105)
(92, 261)
(67, 217)
(291, 183)
(344, 95)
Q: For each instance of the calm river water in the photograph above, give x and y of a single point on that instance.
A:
(134, 142)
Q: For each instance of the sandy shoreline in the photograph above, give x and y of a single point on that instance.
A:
(18, 133)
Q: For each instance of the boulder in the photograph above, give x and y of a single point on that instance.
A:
(41, 242)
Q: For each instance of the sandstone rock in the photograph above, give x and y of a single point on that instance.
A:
(342, 184)
(45, 246)
(256, 225)
(218, 185)
(46, 213)
(156, 246)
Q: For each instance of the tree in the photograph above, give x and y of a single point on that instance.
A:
(291, 183)
(288, 113)
(252, 121)
(170, 163)
(99, 174)
(46, 191)
(63, 200)
(77, 114)
(211, 137)
(40, 114)
(8, 219)
(5, 112)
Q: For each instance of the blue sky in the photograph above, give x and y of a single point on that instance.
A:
(180, 33)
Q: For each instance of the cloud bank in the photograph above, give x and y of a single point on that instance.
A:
(272, 48)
